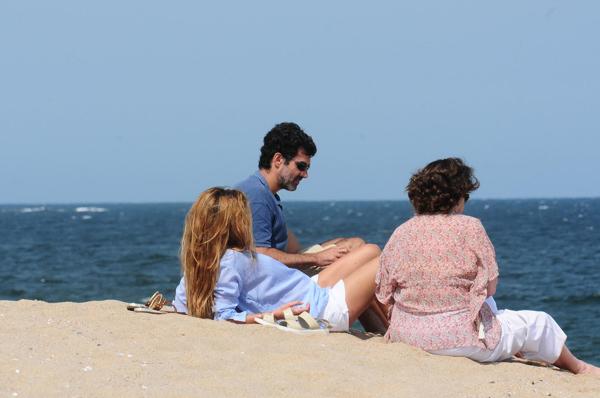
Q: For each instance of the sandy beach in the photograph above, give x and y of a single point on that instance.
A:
(99, 349)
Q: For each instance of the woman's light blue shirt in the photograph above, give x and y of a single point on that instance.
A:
(249, 285)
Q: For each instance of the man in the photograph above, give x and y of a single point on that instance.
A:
(284, 161)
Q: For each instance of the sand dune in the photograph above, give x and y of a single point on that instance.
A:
(99, 349)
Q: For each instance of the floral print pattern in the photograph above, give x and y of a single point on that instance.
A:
(434, 271)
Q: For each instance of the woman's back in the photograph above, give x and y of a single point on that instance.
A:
(435, 268)
(255, 285)
(433, 263)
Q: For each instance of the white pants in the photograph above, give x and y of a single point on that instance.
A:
(336, 310)
(532, 333)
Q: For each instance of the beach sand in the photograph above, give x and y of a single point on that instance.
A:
(99, 349)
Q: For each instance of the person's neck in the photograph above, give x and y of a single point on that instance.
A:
(271, 179)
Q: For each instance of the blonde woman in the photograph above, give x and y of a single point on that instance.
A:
(225, 279)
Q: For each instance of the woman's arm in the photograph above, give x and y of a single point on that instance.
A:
(486, 254)
(384, 279)
(229, 287)
(491, 287)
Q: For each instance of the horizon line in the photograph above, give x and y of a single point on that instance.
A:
(111, 202)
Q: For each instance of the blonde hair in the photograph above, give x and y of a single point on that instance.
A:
(220, 219)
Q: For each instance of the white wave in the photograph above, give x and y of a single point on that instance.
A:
(90, 210)
(543, 207)
(86, 217)
(33, 209)
(486, 206)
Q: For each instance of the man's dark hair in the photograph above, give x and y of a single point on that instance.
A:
(438, 187)
(286, 138)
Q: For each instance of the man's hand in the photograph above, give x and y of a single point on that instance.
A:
(330, 255)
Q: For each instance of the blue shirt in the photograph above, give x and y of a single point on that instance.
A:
(268, 224)
(251, 286)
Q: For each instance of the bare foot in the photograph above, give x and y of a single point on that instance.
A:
(588, 369)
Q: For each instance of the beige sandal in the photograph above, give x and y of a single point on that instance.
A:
(301, 324)
(157, 304)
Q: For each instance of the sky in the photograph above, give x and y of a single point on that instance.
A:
(155, 101)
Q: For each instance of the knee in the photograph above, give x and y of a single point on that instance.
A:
(355, 242)
(372, 250)
(538, 318)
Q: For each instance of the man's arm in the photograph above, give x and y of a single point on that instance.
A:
(297, 260)
(293, 245)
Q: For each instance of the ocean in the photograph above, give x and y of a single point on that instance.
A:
(548, 251)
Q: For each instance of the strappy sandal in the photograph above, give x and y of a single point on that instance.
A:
(157, 304)
(301, 324)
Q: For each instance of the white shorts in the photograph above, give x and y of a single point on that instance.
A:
(532, 333)
(336, 310)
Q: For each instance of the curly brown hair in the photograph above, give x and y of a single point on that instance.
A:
(286, 138)
(438, 187)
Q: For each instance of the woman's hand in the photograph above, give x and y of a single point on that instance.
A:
(297, 308)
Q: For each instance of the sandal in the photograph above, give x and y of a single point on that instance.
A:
(301, 324)
(157, 304)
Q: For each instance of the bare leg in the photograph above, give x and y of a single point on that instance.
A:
(374, 319)
(350, 243)
(348, 264)
(570, 362)
(360, 289)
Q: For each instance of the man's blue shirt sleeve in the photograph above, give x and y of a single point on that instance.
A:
(262, 226)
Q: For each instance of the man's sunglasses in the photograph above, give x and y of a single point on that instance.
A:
(302, 166)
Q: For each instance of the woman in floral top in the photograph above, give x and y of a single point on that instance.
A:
(439, 272)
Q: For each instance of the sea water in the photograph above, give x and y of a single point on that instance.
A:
(548, 251)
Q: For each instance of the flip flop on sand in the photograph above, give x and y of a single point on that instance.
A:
(301, 324)
(157, 304)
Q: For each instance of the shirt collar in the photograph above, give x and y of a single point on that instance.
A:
(263, 181)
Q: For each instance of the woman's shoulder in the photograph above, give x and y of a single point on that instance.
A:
(244, 258)
(439, 219)
(465, 219)
(420, 223)
(233, 258)
(263, 260)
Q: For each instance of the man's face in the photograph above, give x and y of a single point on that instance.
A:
(294, 171)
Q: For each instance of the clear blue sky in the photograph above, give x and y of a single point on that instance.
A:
(150, 101)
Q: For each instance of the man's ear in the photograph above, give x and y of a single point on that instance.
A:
(278, 160)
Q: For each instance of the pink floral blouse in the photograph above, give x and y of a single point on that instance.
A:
(435, 270)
